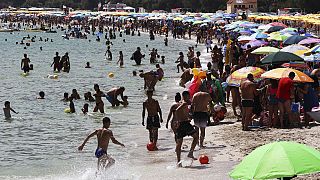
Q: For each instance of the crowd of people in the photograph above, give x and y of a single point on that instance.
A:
(268, 101)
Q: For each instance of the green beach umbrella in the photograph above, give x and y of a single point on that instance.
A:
(277, 160)
(280, 58)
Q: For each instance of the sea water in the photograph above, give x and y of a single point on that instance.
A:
(41, 141)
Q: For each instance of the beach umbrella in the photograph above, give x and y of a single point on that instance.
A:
(294, 39)
(299, 65)
(278, 24)
(294, 48)
(241, 74)
(313, 50)
(279, 73)
(280, 58)
(178, 19)
(278, 160)
(274, 29)
(277, 37)
(310, 35)
(315, 58)
(255, 43)
(245, 38)
(289, 30)
(197, 22)
(264, 27)
(260, 35)
(309, 41)
(265, 50)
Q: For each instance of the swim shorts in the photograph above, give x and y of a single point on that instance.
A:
(153, 122)
(247, 103)
(200, 119)
(100, 152)
(109, 98)
(184, 129)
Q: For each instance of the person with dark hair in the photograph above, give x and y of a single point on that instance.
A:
(56, 63)
(137, 56)
(99, 103)
(248, 92)
(182, 115)
(7, 109)
(104, 135)
(273, 102)
(175, 105)
(180, 61)
(154, 117)
(284, 95)
(25, 64)
(112, 96)
(41, 95)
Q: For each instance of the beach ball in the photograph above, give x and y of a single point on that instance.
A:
(111, 75)
(204, 159)
(150, 146)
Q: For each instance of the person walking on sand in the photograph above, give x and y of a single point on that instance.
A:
(200, 102)
(104, 135)
(185, 128)
(248, 92)
(153, 120)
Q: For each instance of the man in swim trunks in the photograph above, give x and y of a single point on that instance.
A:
(56, 63)
(150, 79)
(25, 64)
(200, 102)
(137, 56)
(153, 120)
(248, 92)
(174, 122)
(99, 103)
(112, 95)
(284, 95)
(104, 135)
(185, 128)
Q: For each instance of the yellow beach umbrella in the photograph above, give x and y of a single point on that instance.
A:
(279, 73)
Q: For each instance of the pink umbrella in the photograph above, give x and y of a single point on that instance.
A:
(278, 24)
(309, 41)
(255, 43)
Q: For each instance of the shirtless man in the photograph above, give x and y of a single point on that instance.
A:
(108, 54)
(248, 92)
(99, 103)
(104, 135)
(150, 80)
(174, 122)
(185, 128)
(7, 109)
(25, 64)
(65, 63)
(112, 95)
(56, 63)
(185, 77)
(153, 56)
(200, 102)
(153, 120)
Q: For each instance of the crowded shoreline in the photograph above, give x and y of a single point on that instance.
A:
(227, 143)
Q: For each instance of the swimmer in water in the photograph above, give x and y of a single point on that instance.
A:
(104, 135)
(71, 105)
(7, 109)
(65, 97)
(25, 63)
(99, 103)
(85, 108)
(41, 95)
(120, 61)
(88, 65)
(109, 53)
(75, 95)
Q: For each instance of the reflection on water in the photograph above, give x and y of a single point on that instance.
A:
(41, 141)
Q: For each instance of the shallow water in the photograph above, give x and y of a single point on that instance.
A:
(41, 141)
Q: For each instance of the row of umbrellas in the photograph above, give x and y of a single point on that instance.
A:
(238, 76)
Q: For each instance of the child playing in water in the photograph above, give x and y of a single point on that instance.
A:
(85, 108)
(7, 109)
(120, 61)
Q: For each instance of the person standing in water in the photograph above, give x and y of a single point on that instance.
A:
(65, 63)
(112, 96)
(25, 64)
(56, 63)
(108, 54)
(99, 103)
(104, 135)
(7, 109)
(120, 61)
(137, 56)
(153, 120)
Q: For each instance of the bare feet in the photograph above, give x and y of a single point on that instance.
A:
(190, 155)
(156, 148)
